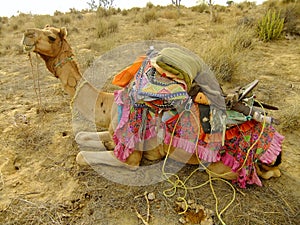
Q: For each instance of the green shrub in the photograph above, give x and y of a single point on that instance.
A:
(270, 26)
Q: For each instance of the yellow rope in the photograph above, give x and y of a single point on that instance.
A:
(178, 183)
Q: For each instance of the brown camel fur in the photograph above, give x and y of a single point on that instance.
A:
(50, 43)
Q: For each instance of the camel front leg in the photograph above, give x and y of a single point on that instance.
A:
(94, 139)
(267, 172)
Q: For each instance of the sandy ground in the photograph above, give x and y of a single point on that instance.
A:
(40, 182)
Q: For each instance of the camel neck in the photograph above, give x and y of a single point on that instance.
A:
(64, 67)
(93, 104)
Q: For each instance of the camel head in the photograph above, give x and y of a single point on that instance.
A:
(51, 44)
(46, 42)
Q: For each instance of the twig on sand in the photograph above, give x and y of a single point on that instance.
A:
(145, 221)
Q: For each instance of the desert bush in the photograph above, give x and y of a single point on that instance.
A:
(223, 61)
(245, 5)
(214, 15)
(149, 5)
(149, 15)
(291, 15)
(241, 38)
(103, 12)
(288, 1)
(200, 8)
(290, 118)
(124, 12)
(3, 20)
(57, 13)
(223, 56)
(113, 25)
(101, 27)
(271, 4)
(65, 19)
(155, 30)
(135, 9)
(270, 26)
(41, 20)
(170, 14)
(246, 21)
(105, 27)
(220, 8)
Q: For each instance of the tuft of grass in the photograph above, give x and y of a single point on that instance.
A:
(270, 26)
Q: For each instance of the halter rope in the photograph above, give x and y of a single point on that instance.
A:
(36, 81)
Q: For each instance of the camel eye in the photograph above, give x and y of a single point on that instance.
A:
(51, 38)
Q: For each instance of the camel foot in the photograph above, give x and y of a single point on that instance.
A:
(271, 173)
(91, 139)
(85, 158)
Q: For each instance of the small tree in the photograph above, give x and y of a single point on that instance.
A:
(101, 3)
(176, 2)
(230, 3)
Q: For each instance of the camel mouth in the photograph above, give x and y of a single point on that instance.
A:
(28, 48)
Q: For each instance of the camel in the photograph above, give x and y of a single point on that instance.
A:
(51, 44)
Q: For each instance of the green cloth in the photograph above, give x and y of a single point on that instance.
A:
(179, 63)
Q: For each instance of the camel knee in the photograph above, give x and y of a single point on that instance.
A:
(154, 154)
(134, 159)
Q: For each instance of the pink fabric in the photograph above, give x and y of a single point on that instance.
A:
(203, 153)
(274, 149)
(268, 157)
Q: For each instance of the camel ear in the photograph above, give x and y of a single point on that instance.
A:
(63, 32)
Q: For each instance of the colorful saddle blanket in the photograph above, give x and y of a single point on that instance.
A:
(149, 107)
